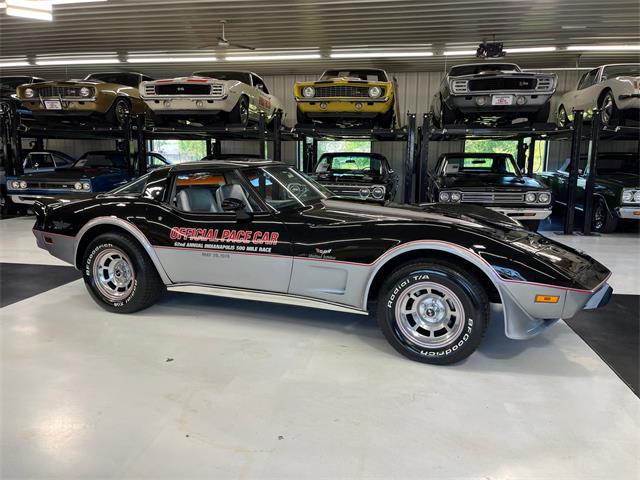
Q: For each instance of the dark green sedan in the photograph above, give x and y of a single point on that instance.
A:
(616, 192)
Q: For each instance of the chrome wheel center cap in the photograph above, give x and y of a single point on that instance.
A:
(432, 310)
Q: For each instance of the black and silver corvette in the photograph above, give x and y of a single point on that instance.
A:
(225, 228)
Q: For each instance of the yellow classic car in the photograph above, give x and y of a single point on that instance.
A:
(107, 96)
(342, 94)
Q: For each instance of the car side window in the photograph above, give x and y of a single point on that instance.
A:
(206, 191)
(259, 84)
(588, 79)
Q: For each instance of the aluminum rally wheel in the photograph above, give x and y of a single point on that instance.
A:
(433, 312)
(113, 274)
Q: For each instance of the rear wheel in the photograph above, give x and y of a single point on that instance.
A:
(602, 221)
(563, 119)
(240, 113)
(609, 113)
(119, 274)
(447, 116)
(433, 312)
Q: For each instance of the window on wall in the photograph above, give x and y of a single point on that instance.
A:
(177, 151)
(339, 146)
(509, 146)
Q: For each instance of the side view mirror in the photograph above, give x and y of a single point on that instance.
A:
(236, 205)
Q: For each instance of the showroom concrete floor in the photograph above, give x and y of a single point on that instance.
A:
(199, 387)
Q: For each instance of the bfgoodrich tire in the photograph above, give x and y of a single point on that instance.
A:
(119, 274)
(433, 312)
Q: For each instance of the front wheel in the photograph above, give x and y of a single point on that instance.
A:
(120, 275)
(609, 113)
(433, 312)
(602, 221)
(240, 113)
(119, 111)
(563, 118)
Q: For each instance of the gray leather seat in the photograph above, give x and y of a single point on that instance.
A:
(197, 199)
(233, 191)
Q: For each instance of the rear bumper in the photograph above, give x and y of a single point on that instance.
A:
(60, 246)
(524, 213)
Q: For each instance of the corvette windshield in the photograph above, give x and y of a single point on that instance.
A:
(283, 187)
(478, 164)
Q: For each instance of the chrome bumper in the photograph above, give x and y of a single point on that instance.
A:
(524, 213)
(628, 213)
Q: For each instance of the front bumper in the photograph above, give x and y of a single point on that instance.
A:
(466, 103)
(524, 318)
(524, 213)
(318, 107)
(192, 105)
(30, 199)
(75, 107)
(629, 213)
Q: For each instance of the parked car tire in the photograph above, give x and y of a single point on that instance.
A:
(302, 118)
(119, 109)
(240, 113)
(602, 221)
(446, 116)
(609, 113)
(119, 274)
(433, 312)
(563, 118)
(386, 120)
(541, 116)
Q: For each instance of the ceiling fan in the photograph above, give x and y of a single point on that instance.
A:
(224, 43)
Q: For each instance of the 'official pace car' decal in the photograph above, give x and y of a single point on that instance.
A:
(224, 239)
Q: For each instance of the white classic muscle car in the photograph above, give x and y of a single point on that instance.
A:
(206, 96)
(614, 89)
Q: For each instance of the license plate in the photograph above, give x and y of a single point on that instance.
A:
(53, 104)
(502, 100)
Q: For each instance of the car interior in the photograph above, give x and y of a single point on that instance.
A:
(205, 193)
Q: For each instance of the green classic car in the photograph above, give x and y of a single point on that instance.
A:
(616, 191)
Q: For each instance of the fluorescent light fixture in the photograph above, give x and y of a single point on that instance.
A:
(260, 58)
(461, 53)
(77, 61)
(170, 59)
(380, 54)
(14, 64)
(530, 50)
(61, 2)
(34, 9)
(603, 48)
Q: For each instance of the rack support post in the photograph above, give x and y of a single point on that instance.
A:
(572, 186)
(409, 159)
(126, 140)
(592, 165)
(142, 144)
(531, 157)
(422, 168)
(277, 138)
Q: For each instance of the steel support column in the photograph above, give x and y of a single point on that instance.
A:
(277, 138)
(409, 160)
(572, 185)
(422, 166)
(592, 165)
(142, 144)
(531, 156)
(126, 144)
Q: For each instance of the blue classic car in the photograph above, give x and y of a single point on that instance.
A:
(94, 172)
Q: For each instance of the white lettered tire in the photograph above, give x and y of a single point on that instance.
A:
(119, 274)
(433, 312)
